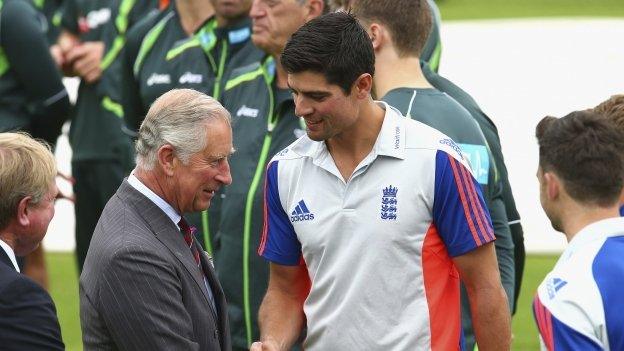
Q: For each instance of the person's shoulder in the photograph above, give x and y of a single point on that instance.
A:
(8, 275)
(243, 74)
(142, 27)
(418, 135)
(16, 11)
(297, 150)
(16, 287)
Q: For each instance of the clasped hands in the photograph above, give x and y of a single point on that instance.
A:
(76, 58)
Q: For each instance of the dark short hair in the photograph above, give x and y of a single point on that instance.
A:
(409, 21)
(613, 109)
(585, 151)
(335, 45)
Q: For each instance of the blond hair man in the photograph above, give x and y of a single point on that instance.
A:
(27, 191)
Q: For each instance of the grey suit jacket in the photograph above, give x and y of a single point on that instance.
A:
(140, 288)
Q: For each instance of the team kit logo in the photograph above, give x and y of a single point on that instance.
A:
(301, 213)
(389, 203)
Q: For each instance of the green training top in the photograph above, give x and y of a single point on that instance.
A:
(32, 95)
(96, 131)
(263, 123)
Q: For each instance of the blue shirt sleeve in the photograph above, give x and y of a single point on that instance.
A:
(459, 211)
(556, 335)
(279, 242)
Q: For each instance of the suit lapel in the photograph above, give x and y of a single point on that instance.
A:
(217, 292)
(166, 232)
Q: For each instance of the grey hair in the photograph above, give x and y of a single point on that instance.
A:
(178, 118)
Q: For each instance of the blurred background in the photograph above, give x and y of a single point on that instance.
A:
(521, 60)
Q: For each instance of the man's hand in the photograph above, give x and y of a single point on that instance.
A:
(66, 42)
(264, 346)
(86, 59)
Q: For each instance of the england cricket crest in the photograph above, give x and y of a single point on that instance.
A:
(389, 203)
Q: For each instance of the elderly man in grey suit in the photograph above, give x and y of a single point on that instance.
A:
(146, 283)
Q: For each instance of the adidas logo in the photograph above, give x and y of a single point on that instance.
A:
(554, 285)
(301, 213)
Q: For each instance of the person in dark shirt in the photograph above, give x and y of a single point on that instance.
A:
(90, 43)
(32, 96)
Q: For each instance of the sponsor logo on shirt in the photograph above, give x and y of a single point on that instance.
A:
(239, 35)
(157, 78)
(479, 160)
(301, 213)
(283, 152)
(190, 78)
(247, 112)
(94, 19)
(397, 138)
(554, 285)
(450, 143)
(389, 203)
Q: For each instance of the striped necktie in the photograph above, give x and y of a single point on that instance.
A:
(189, 238)
(188, 232)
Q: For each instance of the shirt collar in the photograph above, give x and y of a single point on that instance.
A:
(596, 231)
(390, 141)
(157, 200)
(10, 253)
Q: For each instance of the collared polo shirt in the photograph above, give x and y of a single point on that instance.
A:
(378, 247)
(578, 306)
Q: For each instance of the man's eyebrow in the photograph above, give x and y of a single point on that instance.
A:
(218, 156)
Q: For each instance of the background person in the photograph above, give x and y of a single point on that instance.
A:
(32, 96)
(580, 175)
(264, 122)
(27, 192)
(90, 42)
(400, 82)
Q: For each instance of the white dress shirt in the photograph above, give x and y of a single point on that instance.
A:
(10, 253)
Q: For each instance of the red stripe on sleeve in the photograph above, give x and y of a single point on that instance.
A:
(265, 226)
(462, 196)
(477, 209)
(544, 323)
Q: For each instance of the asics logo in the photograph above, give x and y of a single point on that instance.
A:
(191, 78)
(247, 112)
(156, 78)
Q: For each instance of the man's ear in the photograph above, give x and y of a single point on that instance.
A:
(167, 159)
(314, 9)
(22, 211)
(363, 86)
(378, 35)
(553, 185)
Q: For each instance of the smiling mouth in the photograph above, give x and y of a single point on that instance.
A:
(313, 123)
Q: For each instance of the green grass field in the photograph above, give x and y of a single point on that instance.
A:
(64, 291)
(490, 9)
